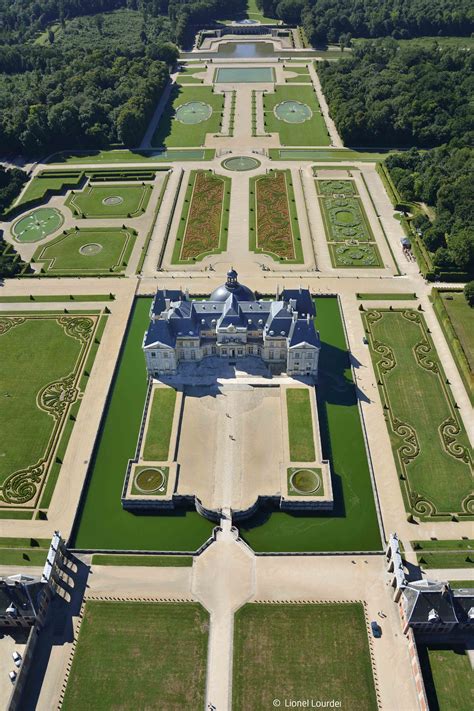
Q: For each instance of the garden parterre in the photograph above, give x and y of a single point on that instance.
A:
(204, 221)
(428, 438)
(274, 226)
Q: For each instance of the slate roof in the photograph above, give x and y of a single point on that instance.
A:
(19, 596)
(450, 606)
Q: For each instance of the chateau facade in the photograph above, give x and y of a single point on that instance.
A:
(232, 324)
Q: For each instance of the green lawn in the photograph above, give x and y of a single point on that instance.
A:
(386, 297)
(174, 133)
(41, 298)
(50, 182)
(466, 584)
(352, 525)
(429, 442)
(312, 132)
(456, 318)
(297, 651)
(300, 425)
(23, 556)
(204, 220)
(437, 545)
(152, 561)
(41, 360)
(67, 253)
(133, 655)
(94, 201)
(273, 219)
(324, 156)
(446, 560)
(448, 677)
(123, 155)
(160, 423)
(102, 522)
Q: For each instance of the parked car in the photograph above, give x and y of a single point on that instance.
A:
(13, 675)
(376, 629)
(16, 658)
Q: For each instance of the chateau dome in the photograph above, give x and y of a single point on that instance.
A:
(232, 287)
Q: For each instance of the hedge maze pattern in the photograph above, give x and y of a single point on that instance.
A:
(428, 439)
(55, 398)
(350, 238)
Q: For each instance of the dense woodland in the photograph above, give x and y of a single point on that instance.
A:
(386, 95)
(327, 20)
(11, 183)
(443, 178)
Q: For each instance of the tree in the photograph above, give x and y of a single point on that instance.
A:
(99, 21)
(469, 292)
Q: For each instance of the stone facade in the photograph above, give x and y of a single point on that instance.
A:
(232, 324)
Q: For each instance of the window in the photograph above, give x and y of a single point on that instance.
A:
(166, 355)
(193, 355)
(213, 350)
(240, 351)
(270, 355)
(224, 351)
(250, 350)
(153, 354)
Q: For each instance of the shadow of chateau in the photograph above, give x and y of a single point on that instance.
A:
(57, 630)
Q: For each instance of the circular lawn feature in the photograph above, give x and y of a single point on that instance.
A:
(345, 217)
(305, 481)
(193, 112)
(241, 163)
(149, 480)
(88, 250)
(112, 200)
(293, 112)
(37, 225)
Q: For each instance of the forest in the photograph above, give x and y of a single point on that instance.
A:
(325, 21)
(385, 95)
(443, 178)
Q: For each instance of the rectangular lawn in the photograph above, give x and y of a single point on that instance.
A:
(312, 132)
(429, 442)
(448, 677)
(300, 425)
(174, 133)
(297, 651)
(160, 423)
(139, 655)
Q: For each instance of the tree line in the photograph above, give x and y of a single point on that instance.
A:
(325, 21)
(387, 95)
(443, 178)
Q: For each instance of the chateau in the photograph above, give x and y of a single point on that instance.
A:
(232, 324)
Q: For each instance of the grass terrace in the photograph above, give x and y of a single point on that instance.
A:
(204, 220)
(101, 522)
(447, 674)
(429, 442)
(302, 74)
(300, 425)
(187, 74)
(456, 318)
(148, 561)
(113, 659)
(274, 226)
(122, 155)
(87, 251)
(310, 128)
(45, 358)
(184, 128)
(110, 201)
(298, 651)
(352, 525)
(160, 423)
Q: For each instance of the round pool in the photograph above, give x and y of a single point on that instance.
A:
(241, 163)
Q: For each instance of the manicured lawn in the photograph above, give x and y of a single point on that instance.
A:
(23, 556)
(50, 182)
(446, 560)
(171, 132)
(152, 561)
(312, 132)
(362, 256)
(88, 251)
(37, 225)
(429, 442)
(110, 201)
(466, 584)
(386, 297)
(102, 522)
(39, 363)
(205, 218)
(352, 525)
(135, 655)
(41, 298)
(456, 318)
(127, 156)
(274, 226)
(437, 545)
(160, 423)
(297, 651)
(448, 677)
(300, 425)
(335, 154)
